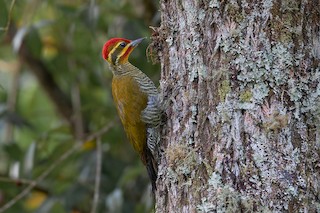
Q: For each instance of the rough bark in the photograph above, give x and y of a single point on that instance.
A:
(241, 82)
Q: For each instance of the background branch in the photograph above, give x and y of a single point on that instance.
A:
(11, 102)
(60, 100)
(97, 177)
(54, 165)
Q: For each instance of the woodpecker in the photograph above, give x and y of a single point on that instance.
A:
(136, 100)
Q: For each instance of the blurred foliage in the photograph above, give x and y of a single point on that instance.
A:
(66, 37)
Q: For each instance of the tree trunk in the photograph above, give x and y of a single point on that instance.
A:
(241, 85)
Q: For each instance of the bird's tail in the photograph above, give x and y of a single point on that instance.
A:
(152, 168)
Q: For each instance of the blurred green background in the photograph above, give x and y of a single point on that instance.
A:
(55, 91)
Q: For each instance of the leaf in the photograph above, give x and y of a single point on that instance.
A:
(31, 37)
(89, 145)
(33, 42)
(35, 199)
(3, 14)
(29, 159)
(67, 10)
(18, 38)
(14, 171)
(51, 204)
(13, 151)
(14, 118)
(114, 201)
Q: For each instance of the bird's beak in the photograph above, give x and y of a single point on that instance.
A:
(135, 43)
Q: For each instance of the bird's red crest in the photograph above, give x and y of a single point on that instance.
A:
(110, 44)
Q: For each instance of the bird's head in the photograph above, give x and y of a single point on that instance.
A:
(117, 50)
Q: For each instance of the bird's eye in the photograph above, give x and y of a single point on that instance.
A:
(123, 44)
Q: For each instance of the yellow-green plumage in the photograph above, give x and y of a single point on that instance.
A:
(130, 102)
(136, 100)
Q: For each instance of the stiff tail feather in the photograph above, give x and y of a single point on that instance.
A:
(152, 168)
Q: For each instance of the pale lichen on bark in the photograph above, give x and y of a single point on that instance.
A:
(242, 81)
